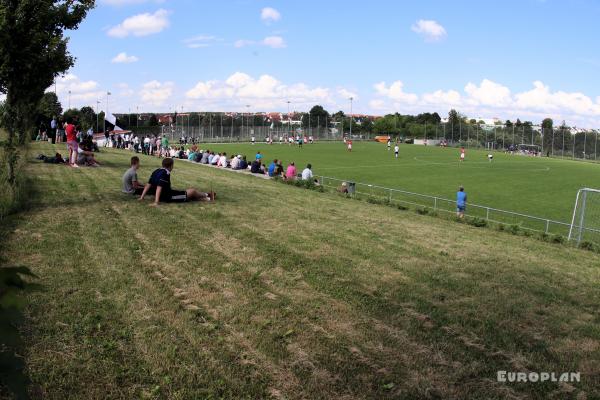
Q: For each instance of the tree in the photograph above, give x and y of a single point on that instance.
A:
(49, 107)
(153, 120)
(547, 123)
(33, 52)
(88, 118)
(317, 116)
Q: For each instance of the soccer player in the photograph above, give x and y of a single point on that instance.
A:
(462, 154)
(389, 143)
(490, 157)
(160, 182)
(349, 144)
(396, 150)
(252, 139)
(461, 202)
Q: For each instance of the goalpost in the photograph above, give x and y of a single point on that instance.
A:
(585, 224)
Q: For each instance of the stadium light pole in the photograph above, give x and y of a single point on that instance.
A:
(351, 99)
(106, 113)
(137, 116)
(289, 120)
(248, 119)
(69, 99)
(97, 121)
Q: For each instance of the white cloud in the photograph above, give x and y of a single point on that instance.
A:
(141, 25)
(441, 97)
(156, 93)
(263, 92)
(490, 99)
(200, 41)
(395, 92)
(346, 94)
(269, 14)
(489, 93)
(123, 58)
(275, 42)
(243, 43)
(125, 90)
(431, 30)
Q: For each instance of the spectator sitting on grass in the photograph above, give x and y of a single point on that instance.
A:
(307, 174)
(205, 156)
(256, 167)
(131, 184)
(243, 165)
(279, 170)
(160, 182)
(223, 160)
(290, 172)
(216, 159)
(343, 188)
(85, 155)
(235, 162)
(272, 167)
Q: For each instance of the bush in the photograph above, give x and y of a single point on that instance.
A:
(514, 229)
(401, 207)
(501, 227)
(585, 245)
(422, 211)
(558, 239)
(478, 222)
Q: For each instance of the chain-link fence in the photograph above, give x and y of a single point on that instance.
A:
(525, 138)
(442, 205)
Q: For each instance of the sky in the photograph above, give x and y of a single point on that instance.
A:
(526, 59)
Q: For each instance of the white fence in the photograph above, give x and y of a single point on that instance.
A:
(439, 204)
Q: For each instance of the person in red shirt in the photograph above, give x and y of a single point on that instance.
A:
(72, 144)
(349, 144)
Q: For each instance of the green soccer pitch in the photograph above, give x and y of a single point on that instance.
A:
(538, 186)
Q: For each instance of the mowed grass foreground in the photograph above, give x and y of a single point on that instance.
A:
(280, 292)
(540, 186)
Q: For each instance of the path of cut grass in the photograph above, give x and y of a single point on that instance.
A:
(280, 292)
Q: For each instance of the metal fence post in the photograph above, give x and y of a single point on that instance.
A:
(435, 203)
(487, 213)
(547, 225)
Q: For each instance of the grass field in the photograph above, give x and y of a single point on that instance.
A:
(537, 186)
(279, 292)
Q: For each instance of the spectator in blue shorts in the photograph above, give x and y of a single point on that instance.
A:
(160, 183)
(461, 202)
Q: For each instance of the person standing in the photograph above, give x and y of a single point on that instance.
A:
(72, 144)
(461, 202)
(396, 150)
(53, 126)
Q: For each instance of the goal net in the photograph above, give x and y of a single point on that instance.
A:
(585, 224)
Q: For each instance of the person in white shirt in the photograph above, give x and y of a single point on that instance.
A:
(223, 161)
(216, 159)
(307, 174)
(396, 150)
(235, 161)
(253, 139)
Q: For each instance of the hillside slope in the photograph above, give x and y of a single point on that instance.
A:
(275, 291)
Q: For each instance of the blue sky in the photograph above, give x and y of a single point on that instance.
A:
(509, 59)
